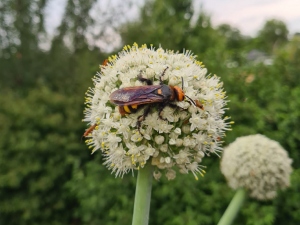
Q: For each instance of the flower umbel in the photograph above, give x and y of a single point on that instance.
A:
(184, 134)
(258, 164)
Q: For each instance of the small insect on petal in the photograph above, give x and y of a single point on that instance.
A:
(199, 105)
(105, 62)
(89, 130)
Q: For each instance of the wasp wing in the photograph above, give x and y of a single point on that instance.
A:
(136, 95)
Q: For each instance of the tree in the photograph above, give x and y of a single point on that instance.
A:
(273, 35)
(163, 23)
(22, 23)
(168, 24)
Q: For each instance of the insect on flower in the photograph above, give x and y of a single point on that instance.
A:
(89, 130)
(105, 62)
(136, 83)
(129, 99)
(198, 104)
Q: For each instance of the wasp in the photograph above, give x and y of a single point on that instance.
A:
(130, 99)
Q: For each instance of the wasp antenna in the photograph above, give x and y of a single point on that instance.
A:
(163, 73)
(191, 100)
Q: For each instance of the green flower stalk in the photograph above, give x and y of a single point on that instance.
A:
(174, 134)
(233, 208)
(143, 196)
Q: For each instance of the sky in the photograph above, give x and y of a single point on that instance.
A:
(248, 16)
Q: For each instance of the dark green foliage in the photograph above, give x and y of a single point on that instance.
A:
(257, 213)
(103, 199)
(182, 199)
(289, 206)
(39, 144)
(47, 176)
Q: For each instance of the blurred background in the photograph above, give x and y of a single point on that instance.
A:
(50, 50)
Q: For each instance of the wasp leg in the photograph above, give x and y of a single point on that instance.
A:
(173, 106)
(162, 106)
(163, 73)
(140, 78)
(142, 118)
(160, 109)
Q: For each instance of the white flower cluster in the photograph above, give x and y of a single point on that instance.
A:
(258, 164)
(180, 140)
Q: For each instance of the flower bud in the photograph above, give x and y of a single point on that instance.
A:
(257, 164)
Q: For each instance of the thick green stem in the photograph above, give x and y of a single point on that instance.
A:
(233, 208)
(143, 195)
